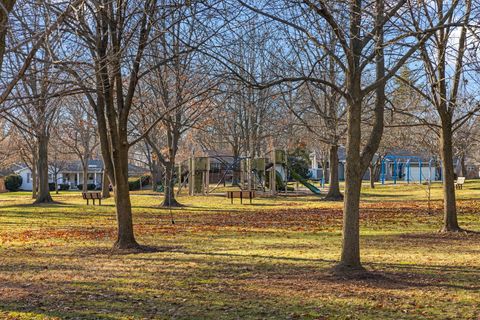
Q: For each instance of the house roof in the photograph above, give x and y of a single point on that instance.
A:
(403, 153)
(76, 166)
(4, 172)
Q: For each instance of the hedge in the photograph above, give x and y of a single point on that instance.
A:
(64, 187)
(90, 186)
(134, 183)
(13, 182)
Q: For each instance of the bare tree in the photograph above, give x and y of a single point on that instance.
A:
(442, 57)
(116, 35)
(177, 91)
(365, 72)
(35, 115)
(77, 131)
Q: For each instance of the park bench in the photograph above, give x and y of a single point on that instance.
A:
(459, 183)
(241, 195)
(92, 196)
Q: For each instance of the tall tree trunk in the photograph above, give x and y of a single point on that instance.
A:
(463, 166)
(56, 181)
(169, 188)
(85, 176)
(350, 257)
(156, 175)
(334, 193)
(34, 178)
(43, 195)
(371, 169)
(125, 235)
(449, 202)
(105, 185)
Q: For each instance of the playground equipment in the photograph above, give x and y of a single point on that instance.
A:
(279, 171)
(252, 174)
(196, 173)
(408, 168)
(198, 182)
(267, 175)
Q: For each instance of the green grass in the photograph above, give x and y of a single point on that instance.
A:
(270, 260)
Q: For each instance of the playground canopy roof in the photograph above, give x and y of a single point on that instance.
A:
(405, 155)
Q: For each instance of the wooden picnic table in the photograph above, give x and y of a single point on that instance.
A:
(242, 194)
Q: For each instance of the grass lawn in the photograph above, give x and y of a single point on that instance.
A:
(270, 260)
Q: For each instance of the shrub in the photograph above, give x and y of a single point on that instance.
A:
(299, 161)
(13, 182)
(90, 186)
(134, 182)
(51, 186)
(64, 186)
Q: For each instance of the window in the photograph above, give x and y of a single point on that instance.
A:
(28, 177)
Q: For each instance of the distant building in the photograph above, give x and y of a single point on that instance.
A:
(71, 173)
(316, 169)
(398, 165)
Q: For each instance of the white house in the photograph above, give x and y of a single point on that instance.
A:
(71, 173)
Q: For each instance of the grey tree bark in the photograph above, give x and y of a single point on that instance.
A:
(334, 193)
(43, 195)
(450, 221)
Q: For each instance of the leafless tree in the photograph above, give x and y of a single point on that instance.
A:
(443, 66)
(177, 91)
(77, 132)
(360, 29)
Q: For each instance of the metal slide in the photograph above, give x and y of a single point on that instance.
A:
(303, 181)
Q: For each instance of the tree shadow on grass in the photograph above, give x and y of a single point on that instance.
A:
(54, 204)
(112, 252)
(210, 284)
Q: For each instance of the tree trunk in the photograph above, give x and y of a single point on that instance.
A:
(334, 193)
(449, 202)
(105, 185)
(43, 195)
(125, 235)
(56, 181)
(34, 178)
(372, 176)
(350, 257)
(156, 175)
(169, 187)
(463, 166)
(85, 176)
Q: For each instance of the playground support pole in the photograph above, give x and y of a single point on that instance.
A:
(207, 177)
(420, 171)
(430, 170)
(395, 171)
(382, 174)
(408, 171)
(286, 171)
(273, 175)
(179, 176)
(191, 176)
(249, 174)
